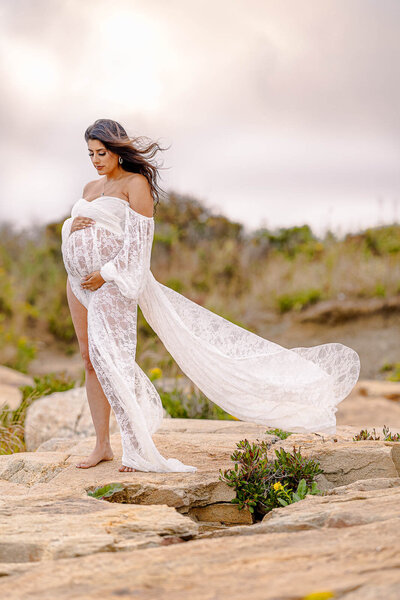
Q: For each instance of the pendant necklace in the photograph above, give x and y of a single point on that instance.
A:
(104, 186)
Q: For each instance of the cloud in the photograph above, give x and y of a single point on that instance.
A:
(268, 106)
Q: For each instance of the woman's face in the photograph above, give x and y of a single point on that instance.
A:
(103, 159)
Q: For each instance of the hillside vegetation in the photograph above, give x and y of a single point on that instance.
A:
(204, 256)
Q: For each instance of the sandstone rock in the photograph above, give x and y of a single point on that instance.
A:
(351, 507)
(361, 559)
(365, 485)
(352, 461)
(10, 396)
(371, 404)
(221, 512)
(30, 468)
(345, 461)
(354, 508)
(365, 412)
(10, 381)
(14, 378)
(57, 444)
(150, 540)
(62, 414)
(38, 528)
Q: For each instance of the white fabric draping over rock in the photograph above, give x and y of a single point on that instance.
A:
(250, 377)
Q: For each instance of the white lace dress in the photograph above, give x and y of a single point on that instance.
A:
(250, 377)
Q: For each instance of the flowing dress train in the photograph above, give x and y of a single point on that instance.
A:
(250, 377)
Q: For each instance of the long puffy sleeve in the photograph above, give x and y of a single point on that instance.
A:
(131, 265)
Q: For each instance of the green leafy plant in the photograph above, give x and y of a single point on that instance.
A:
(279, 433)
(259, 481)
(388, 436)
(285, 496)
(105, 491)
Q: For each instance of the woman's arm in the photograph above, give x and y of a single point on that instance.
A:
(128, 269)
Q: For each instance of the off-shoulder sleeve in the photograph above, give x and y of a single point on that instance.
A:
(128, 269)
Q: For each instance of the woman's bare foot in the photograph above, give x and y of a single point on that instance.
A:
(124, 468)
(95, 457)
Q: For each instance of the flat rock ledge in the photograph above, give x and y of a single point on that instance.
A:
(178, 535)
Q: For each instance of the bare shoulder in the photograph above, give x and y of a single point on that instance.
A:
(89, 188)
(139, 194)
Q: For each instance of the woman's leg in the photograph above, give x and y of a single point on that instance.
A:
(99, 406)
(112, 331)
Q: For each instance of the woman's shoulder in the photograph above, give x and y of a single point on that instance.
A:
(139, 195)
(91, 187)
(136, 181)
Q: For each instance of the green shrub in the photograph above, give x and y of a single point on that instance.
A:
(59, 321)
(290, 241)
(383, 240)
(258, 481)
(380, 290)
(393, 370)
(172, 402)
(194, 405)
(24, 351)
(175, 284)
(298, 300)
(386, 367)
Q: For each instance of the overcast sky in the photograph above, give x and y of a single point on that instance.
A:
(278, 113)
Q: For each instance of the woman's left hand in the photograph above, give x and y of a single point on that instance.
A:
(93, 281)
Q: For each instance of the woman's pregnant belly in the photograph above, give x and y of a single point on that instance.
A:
(89, 248)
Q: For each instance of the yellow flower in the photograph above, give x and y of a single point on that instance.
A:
(319, 596)
(278, 486)
(155, 373)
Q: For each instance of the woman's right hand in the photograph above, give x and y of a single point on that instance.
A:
(81, 223)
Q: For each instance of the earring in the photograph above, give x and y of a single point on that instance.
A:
(120, 160)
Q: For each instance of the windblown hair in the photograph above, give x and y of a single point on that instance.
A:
(137, 152)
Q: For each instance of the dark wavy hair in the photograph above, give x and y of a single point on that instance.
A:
(137, 152)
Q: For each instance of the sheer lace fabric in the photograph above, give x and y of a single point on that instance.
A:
(250, 377)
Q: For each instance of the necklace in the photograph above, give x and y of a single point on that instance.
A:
(104, 186)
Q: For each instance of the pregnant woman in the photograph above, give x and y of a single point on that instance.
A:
(106, 247)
